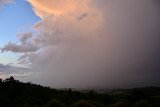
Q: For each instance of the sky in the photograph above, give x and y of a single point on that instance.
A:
(15, 18)
(81, 43)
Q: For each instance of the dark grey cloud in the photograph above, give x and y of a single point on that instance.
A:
(133, 28)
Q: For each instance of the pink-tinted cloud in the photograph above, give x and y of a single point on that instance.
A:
(94, 43)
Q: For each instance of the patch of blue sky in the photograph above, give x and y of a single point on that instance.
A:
(17, 17)
(8, 58)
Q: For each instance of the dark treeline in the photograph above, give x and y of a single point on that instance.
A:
(14, 93)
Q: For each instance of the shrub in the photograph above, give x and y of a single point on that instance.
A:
(54, 103)
(119, 104)
(82, 103)
(142, 103)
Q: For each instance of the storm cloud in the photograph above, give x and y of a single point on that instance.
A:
(94, 43)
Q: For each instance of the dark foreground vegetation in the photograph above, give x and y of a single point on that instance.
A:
(17, 94)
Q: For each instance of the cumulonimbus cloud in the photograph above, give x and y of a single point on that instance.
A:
(89, 43)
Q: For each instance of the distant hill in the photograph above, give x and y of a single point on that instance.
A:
(14, 93)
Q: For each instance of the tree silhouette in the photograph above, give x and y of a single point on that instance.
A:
(82, 103)
(142, 103)
(11, 79)
(14, 93)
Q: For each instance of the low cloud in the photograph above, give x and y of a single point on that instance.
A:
(26, 45)
(7, 70)
(19, 48)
